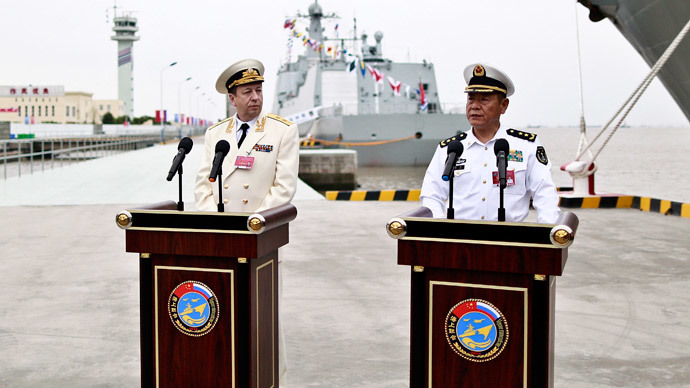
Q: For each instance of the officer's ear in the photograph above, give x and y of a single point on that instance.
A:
(231, 97)
(504, 105)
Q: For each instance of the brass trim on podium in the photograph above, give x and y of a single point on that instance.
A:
(471, 222)
(481, 242)
(190, 230)
(433, 283)
(273, 340)
(232, 310)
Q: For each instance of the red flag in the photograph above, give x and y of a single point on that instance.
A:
(422, 97)
(395, 85)
(375, 74)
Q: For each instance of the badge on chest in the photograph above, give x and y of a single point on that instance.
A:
(244, 162)
(510, 177)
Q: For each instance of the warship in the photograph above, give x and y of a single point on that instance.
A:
(343, 93)
(650, 27)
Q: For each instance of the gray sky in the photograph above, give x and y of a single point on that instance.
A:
(534, 42)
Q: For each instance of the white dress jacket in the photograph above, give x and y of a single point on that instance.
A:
(273, 143)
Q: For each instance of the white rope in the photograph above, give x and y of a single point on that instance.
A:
(583, 127)
(635, 96)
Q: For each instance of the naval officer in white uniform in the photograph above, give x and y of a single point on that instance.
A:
(476, 191)
(260, 170)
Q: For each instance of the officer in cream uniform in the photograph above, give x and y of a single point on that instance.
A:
(475, 184)
(260, 170)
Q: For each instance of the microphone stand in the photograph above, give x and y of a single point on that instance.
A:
(221, 206)
(180, 204)
(501, 185)
(451, 212)
(501, 209)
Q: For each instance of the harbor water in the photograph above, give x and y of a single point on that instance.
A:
(642, 161)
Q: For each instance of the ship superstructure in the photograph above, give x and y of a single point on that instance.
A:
(344, 90)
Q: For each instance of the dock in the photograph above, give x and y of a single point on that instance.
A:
(71, 305)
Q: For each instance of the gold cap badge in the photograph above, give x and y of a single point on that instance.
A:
(479, 71)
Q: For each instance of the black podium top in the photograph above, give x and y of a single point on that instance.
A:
(512, 247)
(158, 229)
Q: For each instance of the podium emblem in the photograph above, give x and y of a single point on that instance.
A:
(476, 330)
(193, 308)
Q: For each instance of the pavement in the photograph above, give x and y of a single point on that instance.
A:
(71, 316)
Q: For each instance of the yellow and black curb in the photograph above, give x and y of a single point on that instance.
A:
(309, 143)
(366, 195)
(654, 205)
(647, 204)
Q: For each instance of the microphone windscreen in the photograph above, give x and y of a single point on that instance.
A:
(223, 146)
(501, 145)
(185, 144)
(455, 146)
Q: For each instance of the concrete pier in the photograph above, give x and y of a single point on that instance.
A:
(329, 169)
(71, 315)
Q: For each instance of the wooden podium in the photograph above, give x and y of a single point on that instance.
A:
(483, 298)
(208, 294)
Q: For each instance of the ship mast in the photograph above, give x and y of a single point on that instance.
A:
(315, 30)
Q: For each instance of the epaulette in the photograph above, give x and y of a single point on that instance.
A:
(278, 118)
(459, 136)
(522, 135)
(219, 123)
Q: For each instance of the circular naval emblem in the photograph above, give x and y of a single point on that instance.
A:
(193, 308)
(476, 330)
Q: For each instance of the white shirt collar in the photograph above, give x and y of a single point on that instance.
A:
(250, 122)
(500, 134)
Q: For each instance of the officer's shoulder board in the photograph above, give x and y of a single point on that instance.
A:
(219, 123)
(459, 136)
(522, 135)
(278, 118)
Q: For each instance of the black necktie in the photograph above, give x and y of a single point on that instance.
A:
(244, 129)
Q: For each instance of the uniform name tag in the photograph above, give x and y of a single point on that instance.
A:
(510, 177)
(244, 162)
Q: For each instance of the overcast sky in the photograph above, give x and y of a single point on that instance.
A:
(534, 42)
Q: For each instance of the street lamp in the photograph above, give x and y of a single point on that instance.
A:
(162, 112)
(179, 105)
(191, 123)
(198, 111)
(208, 108)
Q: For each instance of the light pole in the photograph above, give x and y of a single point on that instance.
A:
(208, 108)
(162, 114)
(191, 121)
(179, 106)
(198, 111)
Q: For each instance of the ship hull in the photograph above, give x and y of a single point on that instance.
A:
(650, 27)
(383, 130)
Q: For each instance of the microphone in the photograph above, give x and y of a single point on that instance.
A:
(455, 149)
(182, 150)
(501, 149)
(222, 149)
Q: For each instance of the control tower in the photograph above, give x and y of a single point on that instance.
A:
(125, 29)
